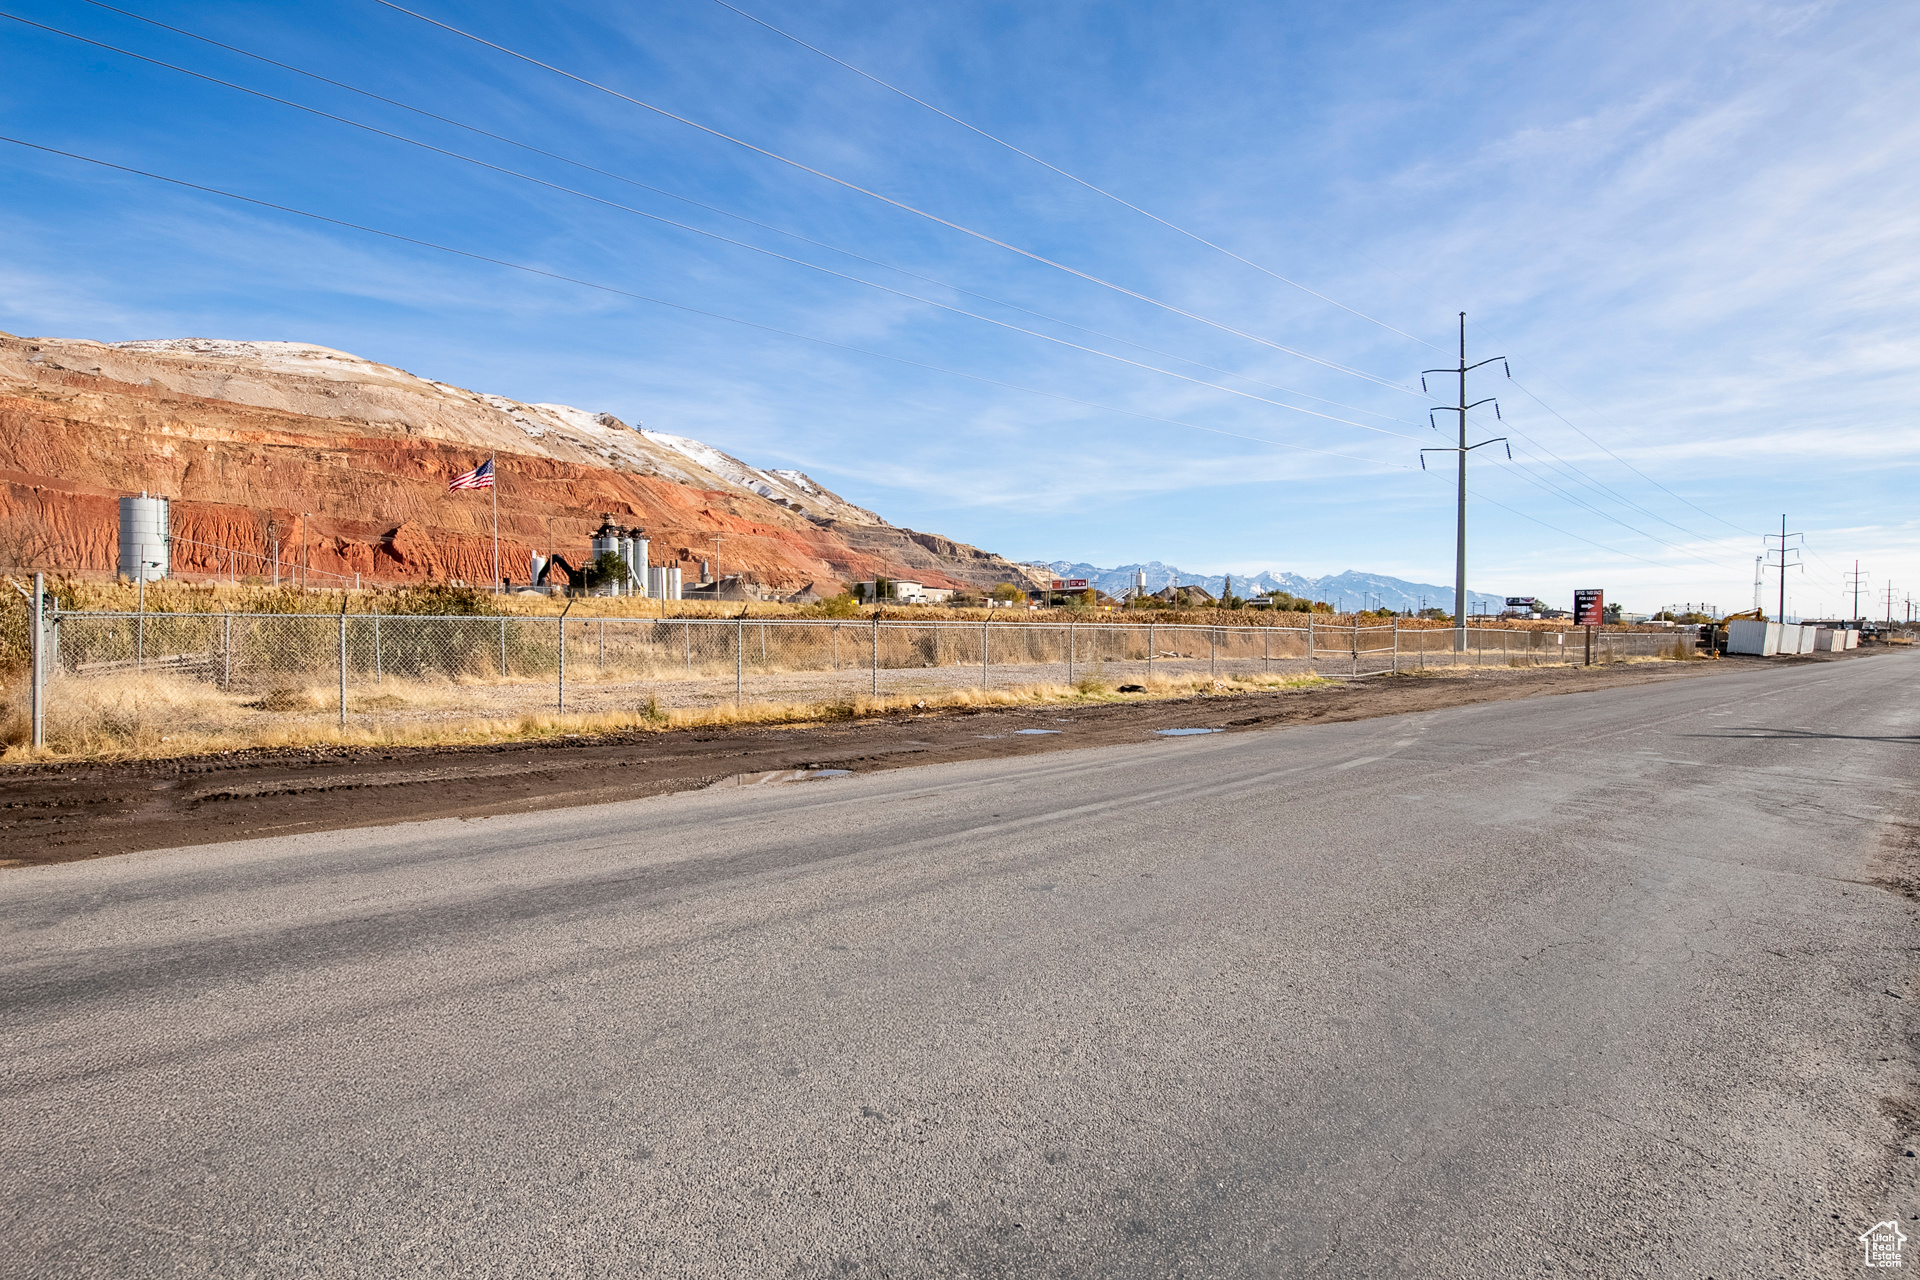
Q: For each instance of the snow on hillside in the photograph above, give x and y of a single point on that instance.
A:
(791, 487)
(381, 392)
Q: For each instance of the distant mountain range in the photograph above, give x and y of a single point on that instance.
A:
(1349, 590)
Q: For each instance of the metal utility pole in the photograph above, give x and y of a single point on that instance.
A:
(1853, 582)
(1462, 450)
(1784, 564)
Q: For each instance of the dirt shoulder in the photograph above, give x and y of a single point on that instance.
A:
(64, 813)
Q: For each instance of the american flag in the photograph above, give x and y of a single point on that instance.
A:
(481, 477)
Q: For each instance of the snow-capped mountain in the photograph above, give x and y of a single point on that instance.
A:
(1348, 590)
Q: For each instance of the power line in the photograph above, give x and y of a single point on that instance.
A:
(614, 204)
(754, 248)
(672, 195)
(765, 328)
(1546, 486)
(1098, 190)
(676, 306)
(1237, 257)
(899, 204)
(1530, 394)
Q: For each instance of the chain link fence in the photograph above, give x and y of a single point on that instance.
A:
(128, 675)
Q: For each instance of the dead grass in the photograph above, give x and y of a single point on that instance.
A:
(152, 716)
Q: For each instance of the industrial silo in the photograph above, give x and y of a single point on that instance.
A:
(608, 540)
(673, 582)
(637, 549)
(144, 528)
(657, 581)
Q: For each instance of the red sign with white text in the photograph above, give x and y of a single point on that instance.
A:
(1589, 608)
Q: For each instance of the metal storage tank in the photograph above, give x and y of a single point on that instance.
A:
(673, 582)
(145, 525)
(657, 582)
(637, 549)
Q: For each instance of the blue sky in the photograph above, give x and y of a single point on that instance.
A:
(1692, 230)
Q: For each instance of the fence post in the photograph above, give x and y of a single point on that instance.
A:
(739, 656)
(343, 660)
(1213, 666)
(503, 645)
(1354, 659)
(1396, 646)
(39, 660)
(1149, 651)
(561, 628)
(876, 651)
(1309, 638)
(985, 641)
(1070, 649)
(226, 648)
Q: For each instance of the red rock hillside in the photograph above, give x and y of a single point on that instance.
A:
(245, 437)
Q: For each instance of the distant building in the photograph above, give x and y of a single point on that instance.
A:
(899, 591)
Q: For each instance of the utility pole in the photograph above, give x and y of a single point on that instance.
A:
(1853, 581)
(1784, 564)
(1461, 450)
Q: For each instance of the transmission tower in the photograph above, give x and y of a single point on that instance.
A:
(1784, 564)
(1462, 450)
(1854, 580)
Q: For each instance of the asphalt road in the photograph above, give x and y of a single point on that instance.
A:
(1612, 983)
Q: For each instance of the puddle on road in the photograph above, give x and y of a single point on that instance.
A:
(1182, 733)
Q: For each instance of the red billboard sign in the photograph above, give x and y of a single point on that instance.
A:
(1071, 584)
(1589, 607)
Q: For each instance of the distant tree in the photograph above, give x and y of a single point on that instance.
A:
(1008, 591)
(609, 568)
(1611, 613)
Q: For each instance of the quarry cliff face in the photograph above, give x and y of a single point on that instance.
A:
(346, 462)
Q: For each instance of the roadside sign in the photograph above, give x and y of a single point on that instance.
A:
(1071, 584)
(1528, 603)
(1589, 607)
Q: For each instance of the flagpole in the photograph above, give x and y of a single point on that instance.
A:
(493, 466)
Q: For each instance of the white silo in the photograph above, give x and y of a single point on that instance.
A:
(657, 582)
(145, 525)
(637, 551)
(673, 582)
